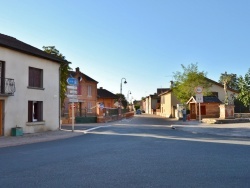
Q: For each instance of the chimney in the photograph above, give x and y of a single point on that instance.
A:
(101, 87)
(77, 69)
(171, 84)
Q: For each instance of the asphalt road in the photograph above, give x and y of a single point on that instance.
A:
(140, 152)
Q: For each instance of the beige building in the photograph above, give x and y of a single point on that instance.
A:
(29, 95)
(152, 103)
(210, 107)
(168, 104)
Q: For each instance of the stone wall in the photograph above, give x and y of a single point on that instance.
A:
(242, 115)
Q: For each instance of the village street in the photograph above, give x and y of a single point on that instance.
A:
(144, 151)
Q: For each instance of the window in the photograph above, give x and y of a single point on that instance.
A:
(35, 111)
(203, 110)
(2, 76)
(215, 94)
(35, 77)
(89, 107)
(89, 91)
(162, 100)
(79, 89)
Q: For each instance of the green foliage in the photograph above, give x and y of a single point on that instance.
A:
(229, 79)
(244, 89)
(186, 81)
(123, 100)
(137, 107)
(64, 70)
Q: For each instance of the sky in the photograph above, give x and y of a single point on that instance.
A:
(143, 41)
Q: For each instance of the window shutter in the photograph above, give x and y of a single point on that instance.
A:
(39, 111)
(30, 110)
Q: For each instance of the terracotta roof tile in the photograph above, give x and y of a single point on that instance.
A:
(73, 73)
(103, 93)
(14, 44)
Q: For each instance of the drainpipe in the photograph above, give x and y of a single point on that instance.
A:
(59, 95)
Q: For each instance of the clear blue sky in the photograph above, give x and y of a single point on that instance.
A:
(144, 41)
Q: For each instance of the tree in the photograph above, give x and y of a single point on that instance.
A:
(244, 89)
(64, 71)
(228, 80)
(186, 81)
(122, 99)
(231, 80)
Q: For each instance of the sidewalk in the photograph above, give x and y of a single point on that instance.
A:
(7, 141)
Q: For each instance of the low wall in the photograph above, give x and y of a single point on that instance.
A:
(79, 120)
(85, 120)
(104, 119)
(98, 119)
(242, 115)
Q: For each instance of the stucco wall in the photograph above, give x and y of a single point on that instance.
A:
(168, 107)
(16, 107)
(221, 92)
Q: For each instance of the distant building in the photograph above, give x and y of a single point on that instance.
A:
(105, 99)
(87, 96)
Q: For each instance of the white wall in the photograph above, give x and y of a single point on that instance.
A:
(16, 107)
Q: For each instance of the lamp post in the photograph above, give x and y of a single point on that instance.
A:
(121, 84)
(129, 92)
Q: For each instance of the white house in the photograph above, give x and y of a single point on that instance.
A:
(29, 96)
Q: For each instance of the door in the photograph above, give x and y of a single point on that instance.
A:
(1, 117)
(192, 111)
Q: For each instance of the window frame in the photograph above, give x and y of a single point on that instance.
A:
(35, 78)
(35, 111)
(89, 94)
(89, 108)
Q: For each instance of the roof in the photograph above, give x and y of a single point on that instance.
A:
(103, 93)
(17, 45)
(162, 90)
(206, 99)
(209, 80)
(167, 91)
(73, 73)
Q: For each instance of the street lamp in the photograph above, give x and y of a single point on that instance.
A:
(121, 84)
(129, 92)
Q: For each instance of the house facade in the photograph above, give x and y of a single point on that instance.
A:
(32, 78)
(210, 107)
(105, 100)
(86, 94)
(168, 104)
(152, 103)
(143, 105)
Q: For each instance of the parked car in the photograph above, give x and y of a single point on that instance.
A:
(138, 111)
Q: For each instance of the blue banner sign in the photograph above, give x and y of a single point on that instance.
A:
(72, 81)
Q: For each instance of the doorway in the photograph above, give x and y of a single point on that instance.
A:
(192, 111)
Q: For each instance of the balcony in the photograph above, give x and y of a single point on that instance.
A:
(7, 87)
